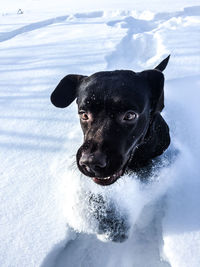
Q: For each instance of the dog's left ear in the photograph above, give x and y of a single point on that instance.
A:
(66, 90)
(163, 64)
(155, 79)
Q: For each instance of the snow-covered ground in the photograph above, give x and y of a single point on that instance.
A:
(42, 194)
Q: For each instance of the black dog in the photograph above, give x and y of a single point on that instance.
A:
(120, 118)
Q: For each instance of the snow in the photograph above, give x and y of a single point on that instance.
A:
(47, 208)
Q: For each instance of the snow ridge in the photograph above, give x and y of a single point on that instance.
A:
(31, 27)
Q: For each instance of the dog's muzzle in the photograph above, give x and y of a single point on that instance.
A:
(104, 170)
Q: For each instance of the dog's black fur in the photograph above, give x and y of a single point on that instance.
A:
(120, 118)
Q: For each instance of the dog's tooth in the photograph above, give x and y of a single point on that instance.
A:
(111, 177)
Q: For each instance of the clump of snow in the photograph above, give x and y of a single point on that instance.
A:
(85, 204)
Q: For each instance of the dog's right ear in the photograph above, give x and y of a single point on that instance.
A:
(66, 90)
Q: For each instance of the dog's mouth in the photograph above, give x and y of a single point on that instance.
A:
(108, 180)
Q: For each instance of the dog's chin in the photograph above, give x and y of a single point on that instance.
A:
(108, 180)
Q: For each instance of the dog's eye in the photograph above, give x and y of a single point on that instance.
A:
(83, 115)
(129, 116)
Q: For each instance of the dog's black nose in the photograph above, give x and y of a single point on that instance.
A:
(94, 163)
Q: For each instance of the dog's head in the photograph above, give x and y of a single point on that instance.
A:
(115, 109)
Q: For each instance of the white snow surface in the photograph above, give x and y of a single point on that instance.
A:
(46, 213)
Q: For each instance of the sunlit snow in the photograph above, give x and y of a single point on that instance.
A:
(48, 210)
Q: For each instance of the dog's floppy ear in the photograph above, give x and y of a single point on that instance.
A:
(163, 64)
(155, 79)
(66, 90)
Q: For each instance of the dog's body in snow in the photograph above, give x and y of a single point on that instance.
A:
(120, 118)
(123, 130)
